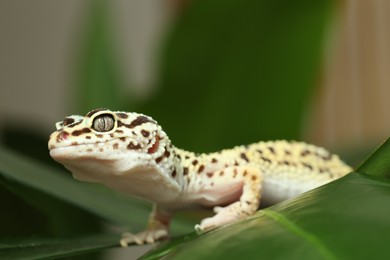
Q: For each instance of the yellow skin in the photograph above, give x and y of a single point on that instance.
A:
(130, 152)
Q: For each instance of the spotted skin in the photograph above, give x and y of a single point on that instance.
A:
(130, 152)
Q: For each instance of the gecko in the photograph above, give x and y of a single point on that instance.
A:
(130, 153)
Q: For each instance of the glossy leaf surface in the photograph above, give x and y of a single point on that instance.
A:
(346, 219)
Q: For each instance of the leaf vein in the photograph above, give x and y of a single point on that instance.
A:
(291, 226)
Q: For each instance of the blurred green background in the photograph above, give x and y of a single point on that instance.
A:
(214, 74)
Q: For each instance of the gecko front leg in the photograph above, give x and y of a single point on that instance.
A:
(157, 229)
(247, 204)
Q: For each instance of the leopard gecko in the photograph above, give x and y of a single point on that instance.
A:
(130, 153)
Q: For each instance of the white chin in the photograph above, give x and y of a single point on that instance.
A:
(64, 153)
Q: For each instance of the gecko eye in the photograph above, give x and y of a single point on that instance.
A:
(103, 123)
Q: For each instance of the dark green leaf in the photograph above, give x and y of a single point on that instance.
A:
(346, 219)
(47, 215)
(378, 163)
(37, 248)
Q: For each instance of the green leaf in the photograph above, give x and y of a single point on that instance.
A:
(103, 202)
(47, 215)
(378, 163)
(38, 248)
(346, 219)
(236, 72)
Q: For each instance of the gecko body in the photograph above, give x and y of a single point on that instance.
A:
(131, 153)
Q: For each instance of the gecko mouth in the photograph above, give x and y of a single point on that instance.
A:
(76, 150)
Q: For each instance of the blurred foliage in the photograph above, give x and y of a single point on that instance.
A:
(232, 72)
(235, 72)
(98, 83)
(342, 220)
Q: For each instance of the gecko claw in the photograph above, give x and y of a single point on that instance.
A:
(198, 228)
(144, 237)
(217, 209)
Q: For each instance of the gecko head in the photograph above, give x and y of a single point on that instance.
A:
(108, 141)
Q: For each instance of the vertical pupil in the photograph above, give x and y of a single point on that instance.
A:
(103, 123)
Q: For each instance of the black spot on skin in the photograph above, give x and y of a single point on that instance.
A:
(173, 174)
(67, 121)
(254, 177)
(187, 157)
(194, 162)
(119, 131)
(214, 160)
(305, 153)
(209, 174)
(201, 168)
(101, 150)
(167, 153)
(132, 146)
(235, 163)
(248, 202)
(88, 137)
(159, 159)
(145, 133)
(287, 152)
(307, 166)
(139, 121)
(115, 146)
(244, 157)
(82, 131)
(122, 139)
(99, 136)
(120, 124)
(122, 115)
(185, 171)
(112, 135)
(259, 151)
(221, 173)
(271, 149)
(265, 159)
(245, 173)
(74, 143)
(91, 113)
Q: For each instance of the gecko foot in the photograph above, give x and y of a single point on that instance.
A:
(220, 219)
(144, 237)
(224, 215)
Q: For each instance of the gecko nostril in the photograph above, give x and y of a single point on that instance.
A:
(62, 136)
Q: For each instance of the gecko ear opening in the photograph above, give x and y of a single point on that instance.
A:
(154, 147)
